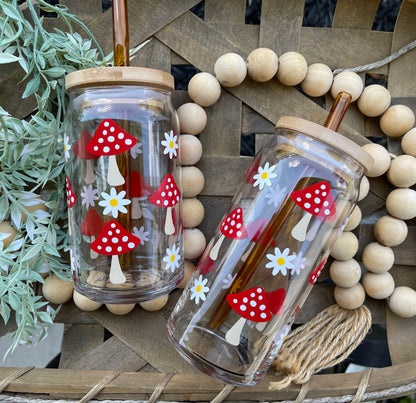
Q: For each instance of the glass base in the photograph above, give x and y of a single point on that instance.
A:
(209, 368)
(124, 295)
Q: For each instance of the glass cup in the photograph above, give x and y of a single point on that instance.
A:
(123, 184)
(268, 251)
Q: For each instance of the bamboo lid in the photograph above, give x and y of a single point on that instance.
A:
(100, 76)
(334, 139)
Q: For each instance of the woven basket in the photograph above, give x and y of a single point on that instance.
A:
(138, 359)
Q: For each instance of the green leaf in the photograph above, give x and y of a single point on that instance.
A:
(32, 252)
(7, 58)
(55, 72)
(32, 86)
(4, 207)
(11, 11)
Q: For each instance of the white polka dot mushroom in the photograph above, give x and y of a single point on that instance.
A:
(109, 140)
(316, 200)
(251, 305)
(114, 240)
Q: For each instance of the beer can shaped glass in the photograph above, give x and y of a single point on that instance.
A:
(268, 251)
(123, 184)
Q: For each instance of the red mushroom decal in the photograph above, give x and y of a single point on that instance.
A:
(231, 227)
(250, 305)
(316, 272)
(167, 195)
(114, 240)
(109, 140)
(71, 199)
(317, 201)
(91, 227)
(82, 153)
(251, 171)
(275, 299)
(139, 190)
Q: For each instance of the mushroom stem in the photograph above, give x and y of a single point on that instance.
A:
(93, 253)
(233, 335)
(89, 175)
(299, 230)
(260, 326)
(169, 227)
(213, 254)
(116, 274)
(114, 177)
(136, 211)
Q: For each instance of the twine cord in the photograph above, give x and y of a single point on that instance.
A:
(100, 386)
(382, 62)
(321, 343)
(160, 388)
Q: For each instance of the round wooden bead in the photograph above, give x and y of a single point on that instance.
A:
(377, 258)
(378, 286)
(31, 209)
(403, 302)
(84, 303)
(354, 220)
(401, 203)
(56, 290)
(409, 142)
(190, 149)
(350, 298)
(204, 89)
(6, 228)
(381, 159)
(345, 247)
(318, 80)
(292, 68)
(192, 118)
(364, 188)
(262, 64)
(402, 171)
(374, 100)
(390, 231)
(397, 120)
(230, 69)
(192, 212)
(349, 82)
(120, 309)
(194, 243)
(189, 269)
(192, 181)
(155, 304)
(345, 273)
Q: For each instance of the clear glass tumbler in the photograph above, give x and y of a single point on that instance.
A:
(268, 251)
(123, 184)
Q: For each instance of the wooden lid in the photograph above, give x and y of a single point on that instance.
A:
(334, 139)
(100, 76)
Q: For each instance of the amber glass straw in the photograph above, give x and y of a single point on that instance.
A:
(256, 255)
(121, 58)
(120, 33)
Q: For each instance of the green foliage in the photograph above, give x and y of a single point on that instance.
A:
(32, 159)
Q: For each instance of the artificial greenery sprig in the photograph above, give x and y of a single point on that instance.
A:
(32, 159)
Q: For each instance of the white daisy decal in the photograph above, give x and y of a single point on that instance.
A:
(170, 144)
(67, 147)
(172, 258)
(264, 175)
(280, 262)
(298, 263)
(89, 196)
(114, 202)
(199, 289)
(136, 150)
(228, 281)
(275, 195)
(142, 234)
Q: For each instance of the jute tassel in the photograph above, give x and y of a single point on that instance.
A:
(323, 342)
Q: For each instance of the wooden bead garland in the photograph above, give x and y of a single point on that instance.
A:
(395, 121)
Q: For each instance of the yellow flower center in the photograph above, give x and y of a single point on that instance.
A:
(198, 288)
(171, 144)
(65, 147)
(172, 258)
(264, 175)
(280, 261)
(113, 202)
